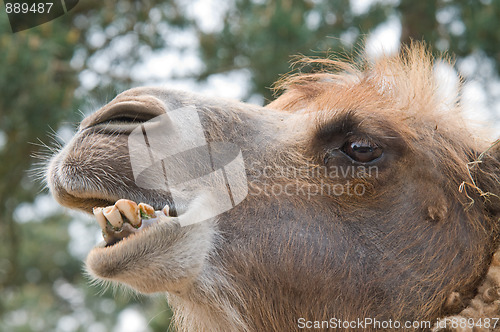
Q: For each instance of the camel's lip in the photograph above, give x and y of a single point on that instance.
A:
(85, 199)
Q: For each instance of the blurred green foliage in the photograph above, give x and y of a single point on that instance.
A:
(43, 287)
(262, 37)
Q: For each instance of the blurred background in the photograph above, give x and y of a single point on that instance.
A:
(54, 74)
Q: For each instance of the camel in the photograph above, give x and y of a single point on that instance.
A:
(357, 199)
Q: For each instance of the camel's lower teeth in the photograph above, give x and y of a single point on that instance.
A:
(126, 217)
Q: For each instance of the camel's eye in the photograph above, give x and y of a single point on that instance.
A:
(361, 150)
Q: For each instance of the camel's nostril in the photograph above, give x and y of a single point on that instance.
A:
(126, 112)
(126, 119)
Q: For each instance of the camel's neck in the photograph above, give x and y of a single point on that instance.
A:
(484, 307)
(219, 315)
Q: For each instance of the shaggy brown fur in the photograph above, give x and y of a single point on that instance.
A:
(483, 312)
(410, 237)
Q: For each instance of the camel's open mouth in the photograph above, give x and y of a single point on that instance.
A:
(126, 218)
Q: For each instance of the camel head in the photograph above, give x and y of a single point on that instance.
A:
(359, 192)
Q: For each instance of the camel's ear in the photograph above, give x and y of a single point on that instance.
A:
(487, 177)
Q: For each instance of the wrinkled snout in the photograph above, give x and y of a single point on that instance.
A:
(173, 145)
